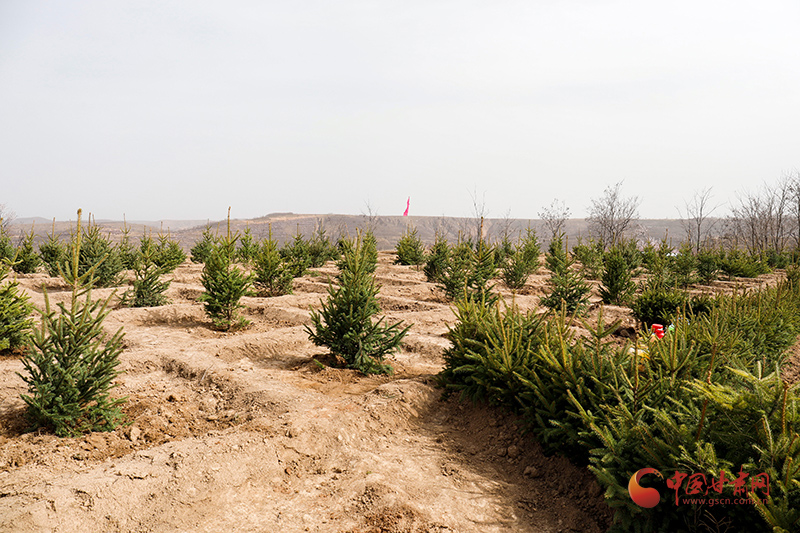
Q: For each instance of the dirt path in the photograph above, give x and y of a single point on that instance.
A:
(244, 432)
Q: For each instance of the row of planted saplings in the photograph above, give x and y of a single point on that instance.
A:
(70, 363)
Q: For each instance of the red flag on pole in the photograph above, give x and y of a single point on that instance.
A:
(408, 204)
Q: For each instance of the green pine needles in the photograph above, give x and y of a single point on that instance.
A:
(618, 286)
(345, 323)
(53, 252)
(225, 284)
(437, 259)
(71, 362)
(410, 250)
(272, 276)
(15, 320)
(148, 287)
(202, 248)
(568, 287)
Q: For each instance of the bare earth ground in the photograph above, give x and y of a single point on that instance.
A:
(245, 432)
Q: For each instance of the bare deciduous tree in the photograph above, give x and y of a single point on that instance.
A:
(696, 221)
(763, 220)
(6, 216)
(612, 215)
(555, 217)
(794, 209)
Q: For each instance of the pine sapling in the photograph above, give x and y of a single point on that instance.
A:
(617, 287)
(568, 287)
(15, 310)
(53, 252)
(345, 323)
(437, 259)
(410, 250)
(296, 255)
(272, 276)
(71, 363)
(128, 254)
(148, 287)
(225, 284)
(248, 248)
(27, 260)
(167, 253)
(202, 248)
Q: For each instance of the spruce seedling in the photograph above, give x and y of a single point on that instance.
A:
(224, 284)
(71, 362)
(272, 276)
(345, 324)
(15, 310)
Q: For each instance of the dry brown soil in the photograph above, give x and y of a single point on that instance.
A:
(245, 432)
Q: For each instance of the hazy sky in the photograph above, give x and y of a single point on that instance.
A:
(169, 109)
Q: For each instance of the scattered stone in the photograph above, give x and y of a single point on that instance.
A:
(513, 451)
(134, 433)
(531, 471)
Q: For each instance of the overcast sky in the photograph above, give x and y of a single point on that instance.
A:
(177, 110)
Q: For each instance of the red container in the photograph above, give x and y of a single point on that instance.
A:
(658, 330)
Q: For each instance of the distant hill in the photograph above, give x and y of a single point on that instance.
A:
(387, 229)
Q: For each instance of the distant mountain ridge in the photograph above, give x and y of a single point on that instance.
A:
(387, 229)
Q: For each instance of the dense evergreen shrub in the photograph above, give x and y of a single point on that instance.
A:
(705, 399)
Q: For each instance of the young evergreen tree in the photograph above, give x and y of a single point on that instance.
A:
(224, 284)
(684, 265)
(568, 287)
(320, 248)
(167, 253)
(128, 254)
(71, 362)
(272, 276)
(345, 323)
(15, 310)
(148, 287)
(516, 269)
(53, 252)
(27, 260)
(437, 259)
(97, 254)
(202, 248)
(371, 251)
(248, 248)
(531, 249)
(617, 287)
(410, 250)
(296, 255)
(7, 250)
